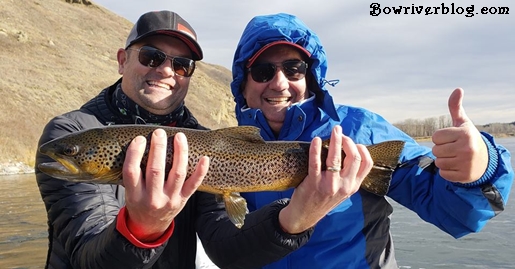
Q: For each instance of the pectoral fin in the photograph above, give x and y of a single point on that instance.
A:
(236, 208)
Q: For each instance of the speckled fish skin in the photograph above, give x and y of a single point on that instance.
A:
(240, 160)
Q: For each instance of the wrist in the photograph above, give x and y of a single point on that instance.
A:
(142, 233)
(290, 224)
(140, 239)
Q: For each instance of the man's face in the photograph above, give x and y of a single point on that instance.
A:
(159, 90)
(275, 96)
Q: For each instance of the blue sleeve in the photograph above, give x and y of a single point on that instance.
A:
(457, 209)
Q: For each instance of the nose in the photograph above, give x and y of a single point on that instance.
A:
(166, 68)
(279, 82)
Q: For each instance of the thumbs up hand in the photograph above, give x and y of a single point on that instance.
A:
(461, 154)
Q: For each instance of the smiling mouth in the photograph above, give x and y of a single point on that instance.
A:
(276, 101)
(158, 84)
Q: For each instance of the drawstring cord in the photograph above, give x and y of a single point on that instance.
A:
(331, 82)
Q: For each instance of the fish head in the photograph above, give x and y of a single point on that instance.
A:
(87, 156)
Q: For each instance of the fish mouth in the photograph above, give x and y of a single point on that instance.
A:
(62, 169)
(66, 170)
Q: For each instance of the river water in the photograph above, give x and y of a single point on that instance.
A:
(422, 245)
(23, 233)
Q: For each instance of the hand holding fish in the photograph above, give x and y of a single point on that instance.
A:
(151, 201)
(321, 191)
(461, 154)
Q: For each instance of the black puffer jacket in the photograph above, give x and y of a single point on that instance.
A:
(82, 217)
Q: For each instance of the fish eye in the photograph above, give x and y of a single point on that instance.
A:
(71, 151)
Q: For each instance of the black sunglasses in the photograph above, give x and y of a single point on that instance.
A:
(153, 58)
(293, 70)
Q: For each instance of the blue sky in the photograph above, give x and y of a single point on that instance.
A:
(402, 66)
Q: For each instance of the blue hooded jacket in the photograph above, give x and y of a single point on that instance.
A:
(356, 233)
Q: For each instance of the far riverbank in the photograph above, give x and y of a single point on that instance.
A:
(15, 168)
(428, 138)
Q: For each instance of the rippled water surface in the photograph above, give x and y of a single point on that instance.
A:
(23, 233)
(421, 245)
(23, 236)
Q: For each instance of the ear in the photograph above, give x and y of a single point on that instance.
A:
(121, 56)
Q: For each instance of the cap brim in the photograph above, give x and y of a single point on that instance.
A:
(275, 43)
(196, 51)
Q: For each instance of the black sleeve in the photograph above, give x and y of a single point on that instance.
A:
(259, 242)
(82, 217)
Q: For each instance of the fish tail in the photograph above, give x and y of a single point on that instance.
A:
(386, 158)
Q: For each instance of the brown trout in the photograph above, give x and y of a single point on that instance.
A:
(240, 160)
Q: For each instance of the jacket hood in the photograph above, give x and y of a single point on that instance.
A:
(263, 30)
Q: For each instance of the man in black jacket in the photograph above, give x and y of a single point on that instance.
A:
(151, 223)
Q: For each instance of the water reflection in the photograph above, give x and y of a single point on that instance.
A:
(23, 237)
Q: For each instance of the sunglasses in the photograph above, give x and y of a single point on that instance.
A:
(153, 58)
(293, 70)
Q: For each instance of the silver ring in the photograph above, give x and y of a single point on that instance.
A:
(334, 169)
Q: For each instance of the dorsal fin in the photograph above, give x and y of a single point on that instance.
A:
(245, 133)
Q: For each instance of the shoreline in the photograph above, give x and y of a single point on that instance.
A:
(15, 168)
(429, 138)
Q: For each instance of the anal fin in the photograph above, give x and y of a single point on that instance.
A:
(236, 207)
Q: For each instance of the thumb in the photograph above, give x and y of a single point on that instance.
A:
(456, 109)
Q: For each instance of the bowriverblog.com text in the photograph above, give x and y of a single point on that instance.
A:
(468, 11)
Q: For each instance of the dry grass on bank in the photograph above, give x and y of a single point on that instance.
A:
(55, 56)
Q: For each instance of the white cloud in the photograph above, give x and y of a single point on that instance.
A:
(401, 66)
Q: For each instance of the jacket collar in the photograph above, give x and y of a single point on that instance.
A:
(297, 117)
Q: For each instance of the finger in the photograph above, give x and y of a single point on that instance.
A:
(448, 164)
(366, 162)
(132, 177)
(155, 171)
(444, 150)
(179, 169)
(196, 178)
(334, 156)
(458, 115)
(352, 160)
(450, 169)
(315, 160)
(446, 135)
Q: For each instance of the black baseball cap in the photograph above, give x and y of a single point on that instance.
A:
(165, 23)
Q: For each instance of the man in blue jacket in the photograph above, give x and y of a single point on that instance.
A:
(279, 83)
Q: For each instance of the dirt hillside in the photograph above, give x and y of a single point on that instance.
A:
(56, 55)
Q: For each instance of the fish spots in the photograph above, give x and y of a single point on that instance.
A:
(240, 160)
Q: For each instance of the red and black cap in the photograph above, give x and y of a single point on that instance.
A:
(275, 43)
(165, 23)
